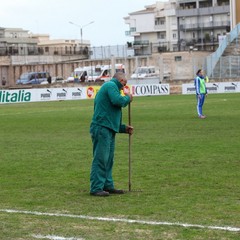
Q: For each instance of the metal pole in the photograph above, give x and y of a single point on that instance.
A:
(81, 36)
(129, 151)
(81, 30)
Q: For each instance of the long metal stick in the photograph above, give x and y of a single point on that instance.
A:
(129, 150)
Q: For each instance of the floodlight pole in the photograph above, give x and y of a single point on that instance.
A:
(81, 29)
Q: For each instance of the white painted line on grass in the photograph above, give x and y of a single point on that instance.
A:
(186, 225)
(52, 237)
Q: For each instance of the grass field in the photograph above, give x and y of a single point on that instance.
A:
(184, 170)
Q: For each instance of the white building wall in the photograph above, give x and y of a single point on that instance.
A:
(15, 33)
(144, 22)
(152, 37)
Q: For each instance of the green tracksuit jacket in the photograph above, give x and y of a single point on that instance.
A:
(108, 106)
(106, 122)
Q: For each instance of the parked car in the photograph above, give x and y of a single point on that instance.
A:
(145, 72)
(33, 78)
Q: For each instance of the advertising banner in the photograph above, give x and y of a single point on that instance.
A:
(150, 90)
(75, 93)
(41, 94)
(218, 87)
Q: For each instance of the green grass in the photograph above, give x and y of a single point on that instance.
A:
(184, 169)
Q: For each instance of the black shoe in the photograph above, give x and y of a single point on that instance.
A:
(100, 194)
(114, 191)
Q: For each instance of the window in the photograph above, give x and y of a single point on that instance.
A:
(178, 58)
(160, 35)
(132, 29)
(160, 21)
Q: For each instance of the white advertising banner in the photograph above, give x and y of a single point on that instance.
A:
(218, 87)
(150, 89)
(74, 93)
(54, 94)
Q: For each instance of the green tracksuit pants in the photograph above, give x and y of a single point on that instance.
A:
(103, 140)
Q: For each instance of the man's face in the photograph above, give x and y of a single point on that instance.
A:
(123, 82)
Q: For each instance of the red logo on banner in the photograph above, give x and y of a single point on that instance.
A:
(90, 92)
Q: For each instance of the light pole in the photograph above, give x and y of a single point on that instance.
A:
(81, 28)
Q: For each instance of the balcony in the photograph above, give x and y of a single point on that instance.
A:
(161, 27)
(205, 25)
(131, 32)
(140, 44)
(203, 11)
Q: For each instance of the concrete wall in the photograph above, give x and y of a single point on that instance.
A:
(172, 65)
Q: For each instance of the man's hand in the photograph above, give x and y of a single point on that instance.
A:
(129, 130)
(130, 95)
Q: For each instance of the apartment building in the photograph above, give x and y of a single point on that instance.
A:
(153, 28)
(179, 25)
(17, 41)
(202, 22)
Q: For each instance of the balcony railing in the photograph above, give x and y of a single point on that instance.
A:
(141, 43)
(161, 27)
(203, 11)
(215, 24)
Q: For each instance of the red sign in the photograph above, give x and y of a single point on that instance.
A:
(90, 92)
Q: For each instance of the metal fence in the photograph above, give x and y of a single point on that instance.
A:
(137, 48)
(227, 67)
(215, 60)
(145, 48)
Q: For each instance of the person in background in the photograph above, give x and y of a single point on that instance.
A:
(201, 92)
(76, 79)
(83, 77)
(49, 79)
(4, 81)
(106, 122)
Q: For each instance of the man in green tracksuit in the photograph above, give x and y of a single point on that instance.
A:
(106, 122)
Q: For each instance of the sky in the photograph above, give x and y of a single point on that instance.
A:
(53, 16)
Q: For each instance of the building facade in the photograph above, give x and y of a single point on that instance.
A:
(16, 41)
(234, 12)
(179, 25)
(64, 47)
(154, 29)
(21, 51)
(202, 22)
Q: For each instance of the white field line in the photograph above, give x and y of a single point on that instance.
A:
(38, 112)
(186, 225)
(52, 237)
